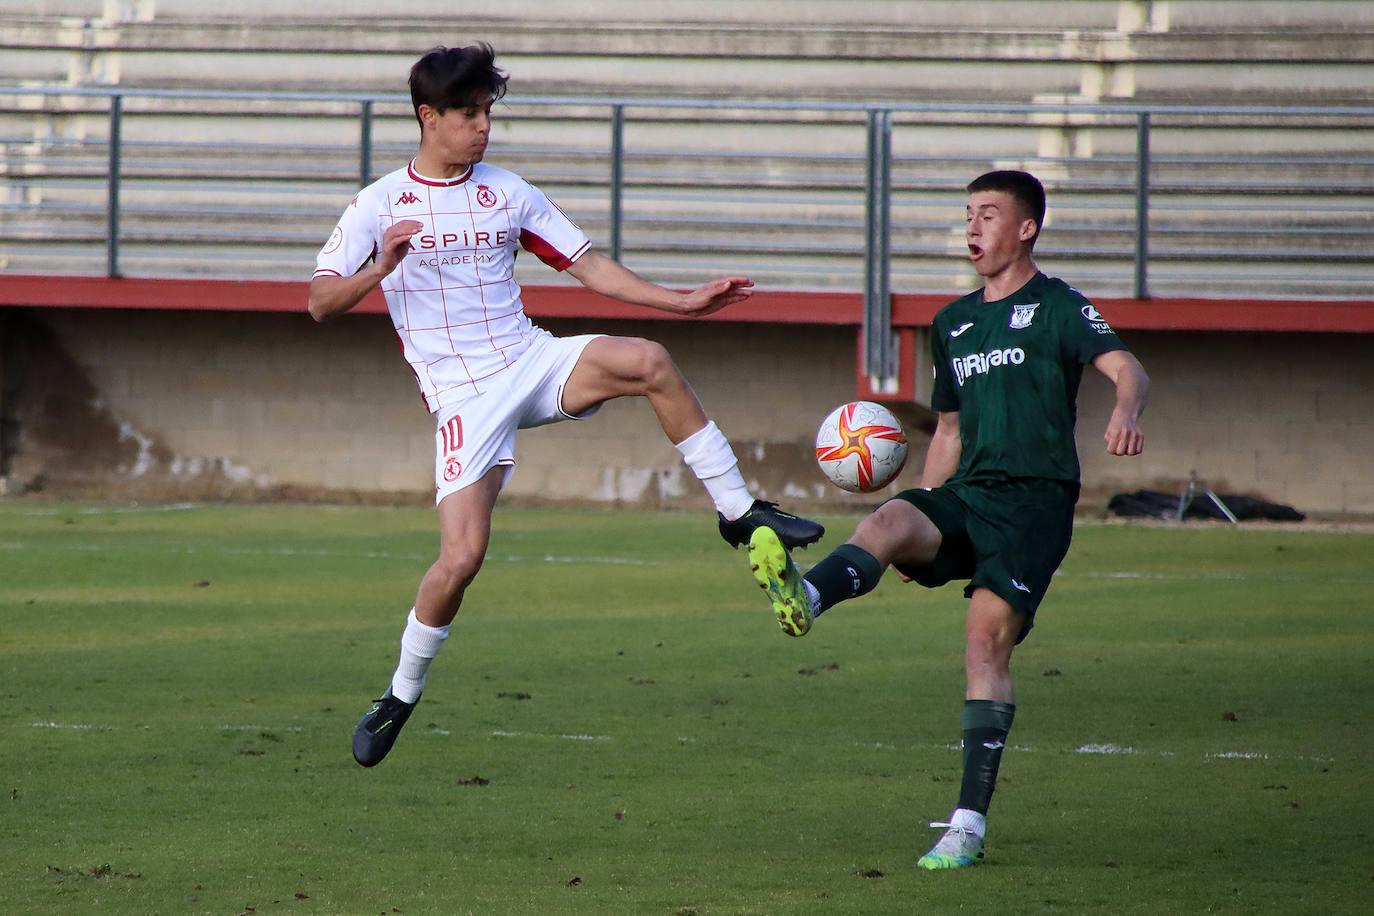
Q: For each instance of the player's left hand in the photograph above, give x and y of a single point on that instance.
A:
(1123, 436)
(716, 295)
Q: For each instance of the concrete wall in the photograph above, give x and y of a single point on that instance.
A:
(274, 400)
(1285, 415)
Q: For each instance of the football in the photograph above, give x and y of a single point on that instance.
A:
(861, 447)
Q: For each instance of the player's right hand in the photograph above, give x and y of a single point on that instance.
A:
(716, 295)
(396, 242)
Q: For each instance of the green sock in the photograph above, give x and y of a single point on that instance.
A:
(847, 572)
(986, 724)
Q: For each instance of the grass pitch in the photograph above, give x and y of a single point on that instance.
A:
(618, 726)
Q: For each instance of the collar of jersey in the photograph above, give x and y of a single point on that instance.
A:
(1039, 275)
(434, 182)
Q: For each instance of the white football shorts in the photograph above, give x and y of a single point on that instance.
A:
(478, 434)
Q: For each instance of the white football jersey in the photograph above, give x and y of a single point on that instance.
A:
(453, 298)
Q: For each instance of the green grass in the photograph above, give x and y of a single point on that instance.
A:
(618, 726)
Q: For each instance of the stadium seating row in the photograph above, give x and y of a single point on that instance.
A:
(1285, 201)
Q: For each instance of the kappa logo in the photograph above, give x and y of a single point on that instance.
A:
(486, 196)
(407, 198)
(1021, 315)
(960, 329)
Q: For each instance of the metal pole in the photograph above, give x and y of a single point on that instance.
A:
(365, 145)
(112, 190)
(877, 317)
(4, 422)
(617, 176)
(1142, 205)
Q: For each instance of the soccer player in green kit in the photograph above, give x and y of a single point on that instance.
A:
(1001, 477)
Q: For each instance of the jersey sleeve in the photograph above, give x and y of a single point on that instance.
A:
(548, 233)
(351, 245)
(1086, 333)
(944, 395)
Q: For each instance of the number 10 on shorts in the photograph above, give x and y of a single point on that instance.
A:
(450, 441)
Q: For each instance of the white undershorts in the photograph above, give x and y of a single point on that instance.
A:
(478, 434)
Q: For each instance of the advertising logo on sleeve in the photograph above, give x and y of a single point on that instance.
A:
(1094, 318)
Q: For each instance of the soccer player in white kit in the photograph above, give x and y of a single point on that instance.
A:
(439, 236)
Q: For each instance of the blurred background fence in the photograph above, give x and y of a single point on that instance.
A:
(1177, 200)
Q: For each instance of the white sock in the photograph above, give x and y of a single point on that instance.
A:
(419, 645)
(707, 452)
(970, 820)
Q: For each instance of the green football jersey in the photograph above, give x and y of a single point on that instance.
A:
(1011, 368)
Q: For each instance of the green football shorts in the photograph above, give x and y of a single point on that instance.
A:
(1008, 537)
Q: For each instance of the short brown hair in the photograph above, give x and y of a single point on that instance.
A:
(446, 78)
(1023, 187)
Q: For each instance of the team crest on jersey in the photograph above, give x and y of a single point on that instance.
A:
(452, 469)
(1022, 314)
(335, 240)
(486, 196)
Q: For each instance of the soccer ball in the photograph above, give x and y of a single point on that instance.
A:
(861, 447)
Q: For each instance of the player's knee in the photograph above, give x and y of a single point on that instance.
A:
(456, 569)
(990, 640)
(899, 531)
(984, 645)
(653, 364)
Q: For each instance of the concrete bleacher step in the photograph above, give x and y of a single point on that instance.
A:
(879, 51)
(781, 191)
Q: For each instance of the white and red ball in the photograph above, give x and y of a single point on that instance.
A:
(861, 447)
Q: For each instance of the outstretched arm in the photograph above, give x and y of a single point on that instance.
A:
(332, 296)
(1123, 436)
(609, 278)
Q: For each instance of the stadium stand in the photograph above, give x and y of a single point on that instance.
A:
(790, 182)
(745, 149)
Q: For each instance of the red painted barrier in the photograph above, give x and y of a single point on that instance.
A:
(835, 308)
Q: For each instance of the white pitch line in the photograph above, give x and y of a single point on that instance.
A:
(238, 551)
(1105, 750)
(348, 554)
(505, 734)
(1281, 577)
(600, 561)
(1109, 749)
(1159, 576)
(259, 728)
(111, 510)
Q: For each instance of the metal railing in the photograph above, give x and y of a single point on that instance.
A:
(1123, 176)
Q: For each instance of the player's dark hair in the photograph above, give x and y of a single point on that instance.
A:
(446, 78)
(1023, 187)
